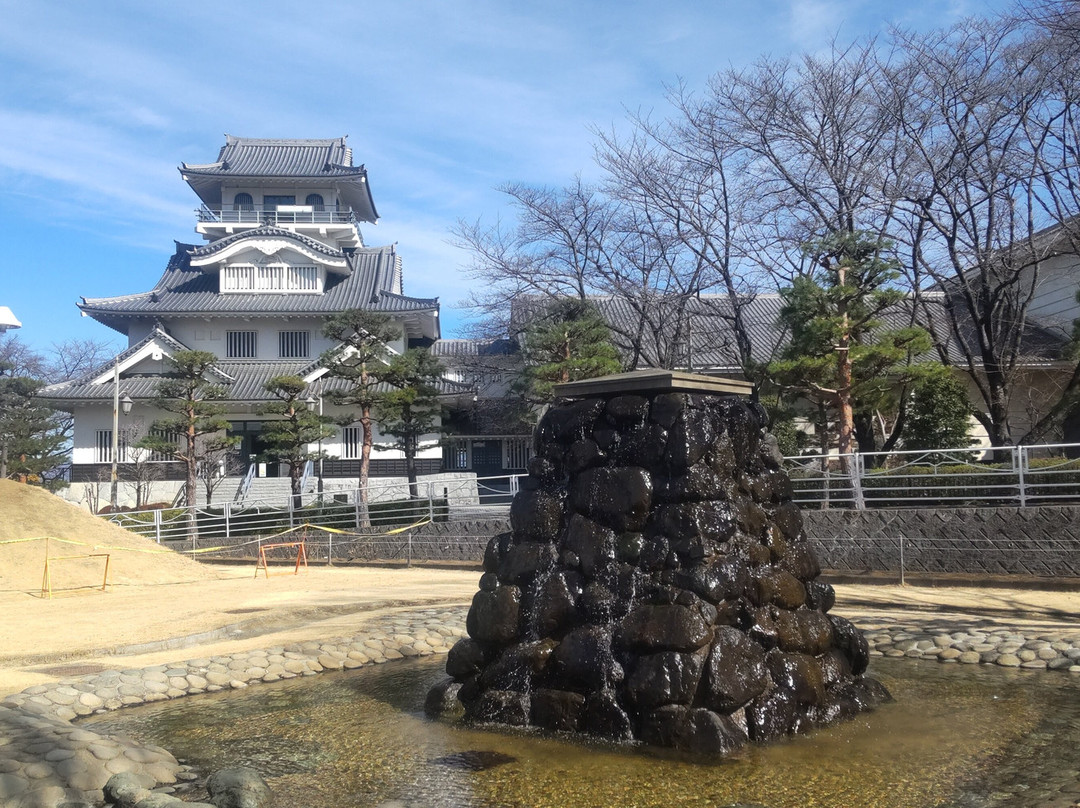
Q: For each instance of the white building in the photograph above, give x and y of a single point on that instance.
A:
(282, 250)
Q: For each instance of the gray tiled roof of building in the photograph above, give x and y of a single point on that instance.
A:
(472, 347)
(186, 290)
(246, 383)
(712, 343)
(268, 157)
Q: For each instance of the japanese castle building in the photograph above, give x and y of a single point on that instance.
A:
(282, 250)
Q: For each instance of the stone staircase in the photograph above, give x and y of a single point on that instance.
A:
(271, 490)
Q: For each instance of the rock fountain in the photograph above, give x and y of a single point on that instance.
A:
(656, 584)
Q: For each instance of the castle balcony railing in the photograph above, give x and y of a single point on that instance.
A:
(277, 215)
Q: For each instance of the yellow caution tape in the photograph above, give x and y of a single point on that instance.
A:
(157, 551)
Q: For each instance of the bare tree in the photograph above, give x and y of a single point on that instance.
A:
(680, 248)
(815, 142)
(979, 174)
(558, 248)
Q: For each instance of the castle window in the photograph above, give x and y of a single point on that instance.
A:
(269, 278)
(315, 200)
(104, 447)
(241, 344)
(303, 279)
(271, 202)
(238, 278)
(293, 344)
(243, 202)
(351, 443)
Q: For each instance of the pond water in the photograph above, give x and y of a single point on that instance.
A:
(960, 736)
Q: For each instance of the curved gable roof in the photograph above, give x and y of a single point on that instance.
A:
(304, 244)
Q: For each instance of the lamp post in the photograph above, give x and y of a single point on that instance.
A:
(310, 401)
(125, 403)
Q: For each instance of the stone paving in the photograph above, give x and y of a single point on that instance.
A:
(48, 762)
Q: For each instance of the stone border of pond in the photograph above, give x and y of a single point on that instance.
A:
(47, 761)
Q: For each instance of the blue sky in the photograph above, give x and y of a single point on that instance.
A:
(443, 102)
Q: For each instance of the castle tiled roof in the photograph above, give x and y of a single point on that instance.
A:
(373, 284)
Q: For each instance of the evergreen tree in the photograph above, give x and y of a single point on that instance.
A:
(840, 356)
(288, 436)
(567, 342)
(359, 361)
(938, 415)
(32, 442)
(196, 427)
(410, 409)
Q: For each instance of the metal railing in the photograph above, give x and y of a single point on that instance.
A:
(1004, 475)
(245, 484)
(257, 215)
(387, 512)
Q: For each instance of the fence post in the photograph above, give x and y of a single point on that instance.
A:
(228, 513)
(430, 503)
(856, 481)
(157, 525)
(408, 551)
(292, 522)
(902, 582)
(1020, 457)
(329, 549)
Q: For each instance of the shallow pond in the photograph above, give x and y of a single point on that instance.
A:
(961, 736)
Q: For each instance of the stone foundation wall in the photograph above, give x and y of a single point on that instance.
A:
(1041, 541)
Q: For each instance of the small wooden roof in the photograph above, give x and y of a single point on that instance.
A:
(655, 381)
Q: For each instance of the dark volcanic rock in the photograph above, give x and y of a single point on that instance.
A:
(735, 671)
(558, 710)
(493, 617)
(647, 629)
(657, 585)
(692, 730)
(669, 677)
(616, 497)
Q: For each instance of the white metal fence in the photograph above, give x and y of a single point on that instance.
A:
(388, 512)
(1006, 475)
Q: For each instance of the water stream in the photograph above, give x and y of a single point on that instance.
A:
(958, 736)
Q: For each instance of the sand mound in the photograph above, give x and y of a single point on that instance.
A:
(27, 512)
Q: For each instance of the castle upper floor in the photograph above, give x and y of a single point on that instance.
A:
(310, 187)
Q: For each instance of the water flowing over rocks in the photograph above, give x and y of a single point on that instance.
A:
(657, 585)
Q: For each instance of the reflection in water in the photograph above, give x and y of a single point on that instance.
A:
(956, 736)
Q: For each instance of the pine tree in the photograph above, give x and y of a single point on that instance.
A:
(569, 341)
(288, 436)
(411, 408)
(197, 421)
(358, 361)
(840, 356)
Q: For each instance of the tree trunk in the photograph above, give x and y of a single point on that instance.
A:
(296, 473)
(366, 440)
(409, 446)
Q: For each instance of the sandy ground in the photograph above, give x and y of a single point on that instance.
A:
(161, 607)
(133, 626)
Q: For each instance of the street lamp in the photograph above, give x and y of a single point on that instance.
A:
(118, 403)
(310, 401)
